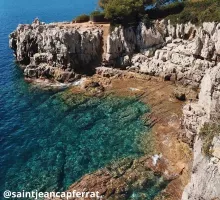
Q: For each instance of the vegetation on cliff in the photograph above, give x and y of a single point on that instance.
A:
(164, 10)
(197, 12)
(129, 12)
(207, 133)
(180, 11)
(82, 18)
(97, 16)
(124, 11)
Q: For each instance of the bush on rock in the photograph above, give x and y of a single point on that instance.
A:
(81, 18)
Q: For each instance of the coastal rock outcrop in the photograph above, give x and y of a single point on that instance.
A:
(205, 178)
(53, 51)
(122, 43)
(181, 52)
(126, 179)
(188, 51)
(190, 55)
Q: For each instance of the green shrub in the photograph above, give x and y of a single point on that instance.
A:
(171, 6)
(131, 11)
(82, 18)
(97, 16)
(103, 3)
(125, 12)
(165, 10)
(96, 13)
(198, 12)
(123, 8)
(207, 134)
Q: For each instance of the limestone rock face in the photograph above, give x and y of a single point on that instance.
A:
(205, 178)
(123, 42)
(216, 38)
(120, 43)
(52, 51)
(148, 37)
(204, 183)
(183, 51)
(216, 148)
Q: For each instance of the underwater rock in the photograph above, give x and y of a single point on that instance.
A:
(93, 88)
(126, 178)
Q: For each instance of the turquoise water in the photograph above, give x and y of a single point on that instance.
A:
(57, 138)
(50, 139)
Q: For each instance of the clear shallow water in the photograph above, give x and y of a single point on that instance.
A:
(48, 140)
(58, 138)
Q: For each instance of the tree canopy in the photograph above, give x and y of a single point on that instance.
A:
(124, 10)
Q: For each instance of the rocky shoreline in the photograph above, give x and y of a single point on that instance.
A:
(63, 52)
(182, 54)
(165, 155)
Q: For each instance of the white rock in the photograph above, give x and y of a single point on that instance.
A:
(216, 147)
(204, 183)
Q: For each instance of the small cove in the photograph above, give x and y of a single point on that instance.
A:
(61, 137)
(50, 139)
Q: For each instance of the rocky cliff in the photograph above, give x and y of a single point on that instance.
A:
(183, 53)
(205, 178)
(53, 51)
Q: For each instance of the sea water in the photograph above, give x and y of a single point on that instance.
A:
(49, 139)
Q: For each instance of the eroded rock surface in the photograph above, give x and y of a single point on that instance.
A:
(126, 179)
(186, 54)
(205, 178)
(52, 51)
(181, 52)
